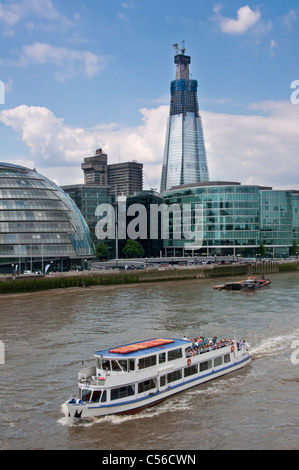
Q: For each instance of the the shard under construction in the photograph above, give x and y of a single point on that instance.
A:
(184, 154)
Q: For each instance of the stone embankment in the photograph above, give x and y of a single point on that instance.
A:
(33, 283)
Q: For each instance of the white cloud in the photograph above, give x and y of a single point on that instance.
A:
(11, 14)
(69, 62)
(50, 141)
(217, 8)
(14, 12)
(260, 148)
(246, 19)
(55, 146)
(273, 45)
(290, 19)
(255, 149)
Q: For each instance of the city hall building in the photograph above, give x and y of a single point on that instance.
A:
(39, 223)
(236, 219)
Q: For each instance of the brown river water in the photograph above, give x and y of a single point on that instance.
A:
(47, 335)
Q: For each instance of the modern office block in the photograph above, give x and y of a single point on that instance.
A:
(87, 197)
(184, 160)
(152, 243)
(276, 220)
(96, 169)
(122, 178)
(125, 178)
(236, 219)
(295, 209)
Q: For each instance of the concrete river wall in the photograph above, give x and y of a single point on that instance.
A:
(32, 283)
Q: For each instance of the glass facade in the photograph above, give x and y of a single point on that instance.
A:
(184, 158)
(230, 214)
(87, 198)
(295, 208)
(37, 219)
(152, 245)
(276, 220)
(237, 218)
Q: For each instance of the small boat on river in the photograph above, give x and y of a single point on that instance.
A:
(250, 283)
(127, 379)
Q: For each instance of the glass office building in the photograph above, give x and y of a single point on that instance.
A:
(295, 209)
(87, 198)
(38, 221)
(235, 219)
(184, 160)
(276, 221)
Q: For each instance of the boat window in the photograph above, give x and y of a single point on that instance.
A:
(121, 365)
(115, 366)
(147, 361)
(132, 364)
(175, 354)
(104, 396)
(146, 385)
(176, 375)
(162, 380)
(85, 394)
(218, 361)
(205, 365)
(124, 365)
(96, 396)
(190, 370)
(162, 357)
(106, 365)
(122, 392)
(226, 358)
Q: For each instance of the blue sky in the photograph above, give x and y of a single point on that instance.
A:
(96, 74)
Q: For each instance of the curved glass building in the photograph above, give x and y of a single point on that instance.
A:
(38, 221)
(184, 160)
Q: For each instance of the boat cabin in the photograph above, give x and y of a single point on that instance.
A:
(138, 356)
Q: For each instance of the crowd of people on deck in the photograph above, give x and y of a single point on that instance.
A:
(202, 344)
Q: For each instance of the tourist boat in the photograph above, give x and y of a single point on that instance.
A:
(251, 283)
(127, 379)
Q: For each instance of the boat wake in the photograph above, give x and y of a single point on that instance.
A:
(173, 404)
(274, 345)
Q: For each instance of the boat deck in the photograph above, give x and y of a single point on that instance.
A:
(141, 347)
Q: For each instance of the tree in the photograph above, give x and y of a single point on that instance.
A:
(102, 251)
(294, 248)
(261, 251)
(133, 249)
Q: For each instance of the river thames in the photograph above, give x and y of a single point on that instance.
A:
(47, 335)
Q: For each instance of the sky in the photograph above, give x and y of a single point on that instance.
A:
(76, 76)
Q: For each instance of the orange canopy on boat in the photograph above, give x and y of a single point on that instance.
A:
(139, 346)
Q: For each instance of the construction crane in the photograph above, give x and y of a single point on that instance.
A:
(178, 50)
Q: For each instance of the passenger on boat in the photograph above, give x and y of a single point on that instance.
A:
(241, 344)
(201, 345)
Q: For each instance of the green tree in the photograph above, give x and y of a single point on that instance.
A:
(102, 251)
(261, 251)
(133, 249)
(294, 248)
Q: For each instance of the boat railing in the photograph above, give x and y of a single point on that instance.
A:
(86, 374)
(205, 348)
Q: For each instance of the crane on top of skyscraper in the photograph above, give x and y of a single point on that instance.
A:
(178, 50)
